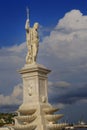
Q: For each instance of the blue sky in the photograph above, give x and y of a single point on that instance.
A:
(46, 12)
(63, 49)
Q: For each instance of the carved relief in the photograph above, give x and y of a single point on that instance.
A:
(30, 89)
(43, 99)
(29, 86)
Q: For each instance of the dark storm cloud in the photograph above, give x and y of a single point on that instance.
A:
(70, 96)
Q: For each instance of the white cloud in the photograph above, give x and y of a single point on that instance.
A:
(62, 84)
(64, 51)
(14, 98)
(59, 85)
(17, 48)
(73, 20)
(11, 60)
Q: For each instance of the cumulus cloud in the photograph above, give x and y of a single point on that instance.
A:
(62, 84)
(73, 20)
(14, 98)
(71, 44)
(64, 51)
(17, 48)
(59, 84)
(58, 88)
(71, 95)
(11, 59)
(75, 95)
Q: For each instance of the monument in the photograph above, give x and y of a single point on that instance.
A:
(36, 113)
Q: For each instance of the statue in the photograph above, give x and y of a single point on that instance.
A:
(32, 39)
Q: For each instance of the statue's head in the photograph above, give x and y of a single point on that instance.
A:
(36, 25)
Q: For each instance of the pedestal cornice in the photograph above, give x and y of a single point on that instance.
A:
(29, 68)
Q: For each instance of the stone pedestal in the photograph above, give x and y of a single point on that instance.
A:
(35, 96)
(34, 84)
(35, 112)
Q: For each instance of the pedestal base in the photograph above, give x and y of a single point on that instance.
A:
(36, 113)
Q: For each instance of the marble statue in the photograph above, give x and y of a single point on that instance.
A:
(35, 113)
(32, 39)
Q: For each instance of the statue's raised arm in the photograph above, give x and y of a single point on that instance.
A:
(32, 40)
(27, 25)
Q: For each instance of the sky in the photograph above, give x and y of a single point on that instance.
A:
(62, 48)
